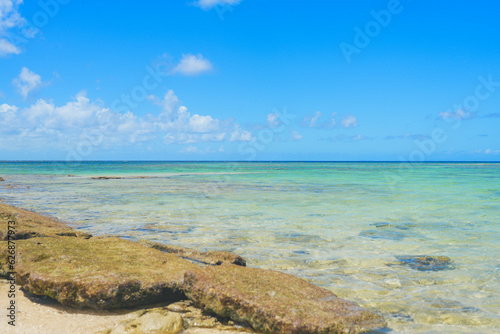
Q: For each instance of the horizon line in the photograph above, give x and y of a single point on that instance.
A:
(261, 161)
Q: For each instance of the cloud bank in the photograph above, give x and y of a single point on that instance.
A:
(45, 124)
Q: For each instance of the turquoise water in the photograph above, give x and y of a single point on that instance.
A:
(340, 225)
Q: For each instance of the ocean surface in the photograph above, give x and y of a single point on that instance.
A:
(352, 228)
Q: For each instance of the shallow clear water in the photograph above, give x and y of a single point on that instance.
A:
(339, 225)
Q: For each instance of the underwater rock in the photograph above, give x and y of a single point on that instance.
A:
(399, 226)
(27, 224)
(210, 257)
(446, 305)
(106, 178)
(97, 273)
(426, 262)
(273, 302)
(2, 179)
(383, 234)
(400, 317)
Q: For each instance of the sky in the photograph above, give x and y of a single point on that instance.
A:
(250, 80)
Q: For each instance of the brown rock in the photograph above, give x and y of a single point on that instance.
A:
(274, 302)
(153, 321)
(210, 257)
(97, 273)
(1, 179)
(27, 224)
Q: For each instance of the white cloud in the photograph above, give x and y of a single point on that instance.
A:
(45, 124)
(9, 19)
(192, 65)
(27, 82)
(80, 113)
(359, 137)
(168, 102)
(296, 135)
(487, 151)
(240, 135)
(199, 123)
(333, 118)
(348, 138)
(5, 108)
(273, 120)
(7, 48)
(208, 4)
(349, 121)
(459, 114)
(190, 150)
(314, 119)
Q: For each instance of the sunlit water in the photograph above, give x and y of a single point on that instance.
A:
(339, 225)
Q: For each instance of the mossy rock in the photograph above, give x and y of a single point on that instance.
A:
(210, 257)
(28, 224)
(98, 273)
(427, 262)
(273, 302)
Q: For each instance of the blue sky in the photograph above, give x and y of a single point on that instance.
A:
(249, 80)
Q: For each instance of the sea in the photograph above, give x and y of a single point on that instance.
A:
(417, 242)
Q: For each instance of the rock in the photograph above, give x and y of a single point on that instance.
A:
(106, 178)
(153, 321)
(274, 302)
(28, 224)
(195, 318)
(194, 330)
(426, 262)
(107, 273)
(2, 179)
(383, 234)
(210, 257)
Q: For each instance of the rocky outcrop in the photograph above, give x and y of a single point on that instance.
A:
(109, 273)
(27, 224)
(98, 273)
(274, 302)
(211, 257)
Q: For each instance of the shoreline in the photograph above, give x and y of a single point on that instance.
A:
(216, 283)
(42, 314)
